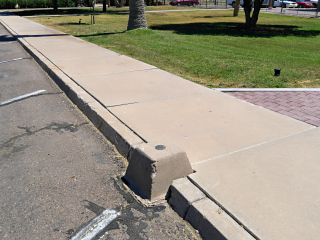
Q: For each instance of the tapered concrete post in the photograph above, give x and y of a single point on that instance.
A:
(153, 167)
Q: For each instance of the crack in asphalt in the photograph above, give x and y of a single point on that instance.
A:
(53, 126)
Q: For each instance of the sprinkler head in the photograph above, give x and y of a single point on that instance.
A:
(277, 72)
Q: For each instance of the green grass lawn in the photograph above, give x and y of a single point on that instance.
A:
(211, 47)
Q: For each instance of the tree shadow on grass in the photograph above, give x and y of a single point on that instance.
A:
(73, 23)
(236, 30)
(98, 34)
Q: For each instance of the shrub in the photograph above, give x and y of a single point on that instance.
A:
(10, 4)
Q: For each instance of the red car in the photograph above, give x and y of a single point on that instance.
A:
(303, 4)
(184, 2)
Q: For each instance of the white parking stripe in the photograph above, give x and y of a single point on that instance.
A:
(16, 59)
(22, 97)
(96, 225)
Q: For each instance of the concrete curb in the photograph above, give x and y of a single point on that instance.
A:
(202, 213)
(185, 198)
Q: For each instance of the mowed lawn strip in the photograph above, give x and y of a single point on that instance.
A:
(211, 47)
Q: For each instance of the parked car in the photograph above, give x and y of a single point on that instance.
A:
(233, 3)
(314, 3)
(265, 3)
(184, 2)
(285, 4)
(303, 4)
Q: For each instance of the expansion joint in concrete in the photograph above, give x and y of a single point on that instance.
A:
(224, 209)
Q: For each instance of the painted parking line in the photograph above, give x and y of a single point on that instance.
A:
(12, 60)
(21, 97)
(96, 225)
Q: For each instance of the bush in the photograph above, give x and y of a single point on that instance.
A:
(10, 4)
(7, 4)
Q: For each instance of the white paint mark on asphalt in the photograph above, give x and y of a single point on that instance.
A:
(96, 225)
(12, 60)
(22, 97)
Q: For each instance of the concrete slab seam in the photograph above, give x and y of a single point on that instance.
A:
(74, 97)
(156, 99)
(128, 71)
(225, 210)
(184, 196)
(259, 144)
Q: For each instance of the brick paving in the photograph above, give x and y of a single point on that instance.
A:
(303, 106)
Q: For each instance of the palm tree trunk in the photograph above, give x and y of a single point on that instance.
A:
(137, 17)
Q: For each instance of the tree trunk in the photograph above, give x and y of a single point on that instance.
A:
(137, 17)
(255, 15)
(236, 8)
(118, 4)
(104, 6)
(247, 7)
(55, 5)
(251, 22)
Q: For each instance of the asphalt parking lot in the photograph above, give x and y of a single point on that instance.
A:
(57, 172)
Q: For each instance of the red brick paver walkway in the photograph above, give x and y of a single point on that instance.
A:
(303, 106)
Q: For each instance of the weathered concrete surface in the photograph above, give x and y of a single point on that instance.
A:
(101, 65)
(207, 125)
(272, 188)
(213, 223)
(182, 194)
(153, 167)
(137, 86)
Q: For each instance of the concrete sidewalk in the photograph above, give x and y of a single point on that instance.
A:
(256, 169)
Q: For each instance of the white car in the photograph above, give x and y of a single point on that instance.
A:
(284, 4)
(233, 3)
